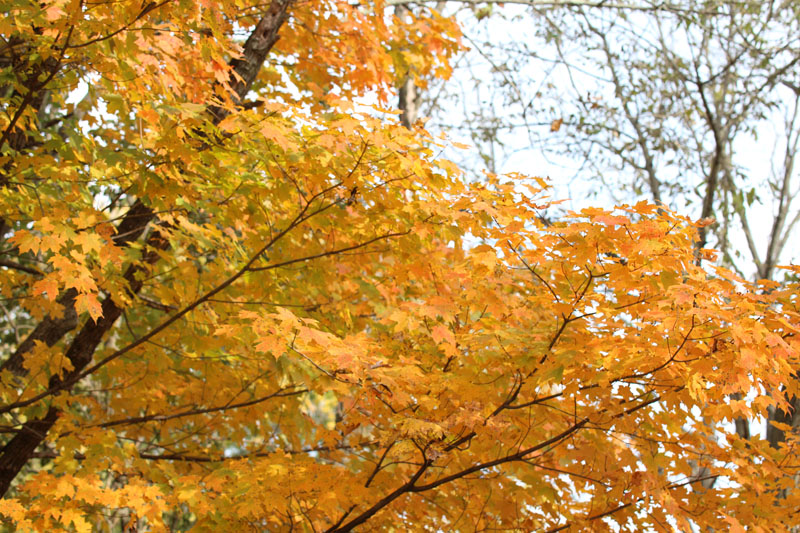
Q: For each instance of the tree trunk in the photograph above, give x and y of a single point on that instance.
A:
(18, 451)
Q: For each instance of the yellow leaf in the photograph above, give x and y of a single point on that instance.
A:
(26, 241)
(442, 334)
(276, 134)
(89, 242)
(48, 285)
(88, 303)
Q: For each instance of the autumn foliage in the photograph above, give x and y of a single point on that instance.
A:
(235, 298)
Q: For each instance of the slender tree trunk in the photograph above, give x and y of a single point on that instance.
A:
(408, 99)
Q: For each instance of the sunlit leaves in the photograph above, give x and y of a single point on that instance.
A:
(323, 324)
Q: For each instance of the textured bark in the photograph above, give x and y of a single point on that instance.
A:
(51, 329)
(256, 48)
(742, 424)
(407, 95)
(408, 103)
(776, 436)
(16, 453)
(19, 449)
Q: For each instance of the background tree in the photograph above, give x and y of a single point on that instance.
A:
(693, 105)
(236, 299)
(650, 100)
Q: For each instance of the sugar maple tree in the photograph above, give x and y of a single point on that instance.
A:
(234, 300)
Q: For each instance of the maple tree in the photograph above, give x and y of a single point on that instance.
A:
(235, 299)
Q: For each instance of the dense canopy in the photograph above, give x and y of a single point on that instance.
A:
(239, 296)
